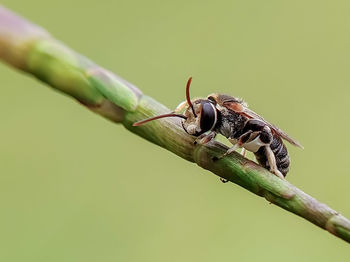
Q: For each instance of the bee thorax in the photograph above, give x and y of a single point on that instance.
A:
(231, 124)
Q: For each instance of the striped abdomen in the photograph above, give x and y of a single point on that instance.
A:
(281, 155)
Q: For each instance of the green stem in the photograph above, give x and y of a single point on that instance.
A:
(31, 49)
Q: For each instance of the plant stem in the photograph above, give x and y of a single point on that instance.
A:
(33, 50)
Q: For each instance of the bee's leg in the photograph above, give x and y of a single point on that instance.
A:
(272, 162)
(231, 150)
(223, 180)
(180, 107)
(205, 138)
(263, 138)
(240, 141)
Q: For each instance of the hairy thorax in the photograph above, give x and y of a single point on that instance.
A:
(231, 124)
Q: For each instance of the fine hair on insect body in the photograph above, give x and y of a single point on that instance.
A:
(231, 117)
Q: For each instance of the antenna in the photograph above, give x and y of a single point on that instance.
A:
(188, 95)
(157, 117)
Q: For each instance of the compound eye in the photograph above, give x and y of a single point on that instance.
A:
(212, 99)
(208, 116)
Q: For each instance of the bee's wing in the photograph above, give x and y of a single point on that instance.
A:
(278, 131)
(240, 107)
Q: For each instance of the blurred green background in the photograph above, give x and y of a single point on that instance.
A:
(75, 187)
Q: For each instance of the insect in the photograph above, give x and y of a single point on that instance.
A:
(231, 117)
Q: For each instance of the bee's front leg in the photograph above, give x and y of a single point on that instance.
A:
(205, 138)
(181, 107)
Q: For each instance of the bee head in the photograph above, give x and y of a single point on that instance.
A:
(198, 118)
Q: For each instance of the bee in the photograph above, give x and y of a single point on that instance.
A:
(231, 117)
